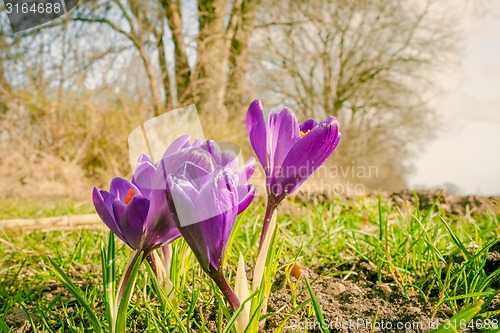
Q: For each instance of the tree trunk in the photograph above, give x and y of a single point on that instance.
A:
(208, 86)
(182, 71)
(155, 90)
(162, 60)
(239, 61)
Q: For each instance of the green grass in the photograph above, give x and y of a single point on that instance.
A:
(24, 208)
(437, 257)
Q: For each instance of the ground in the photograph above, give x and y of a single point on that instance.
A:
(407, 259)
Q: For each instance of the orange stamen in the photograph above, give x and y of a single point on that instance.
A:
(129, 196)
(302, 134)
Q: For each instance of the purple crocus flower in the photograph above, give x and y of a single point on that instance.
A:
(207, 192)
(288, 151)
(137, 212)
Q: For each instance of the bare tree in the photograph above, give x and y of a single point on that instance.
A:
(364, 61)
(367, 62)
(60, 113)
(167, 34)
(98, 73)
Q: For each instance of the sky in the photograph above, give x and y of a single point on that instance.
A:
(466, 150)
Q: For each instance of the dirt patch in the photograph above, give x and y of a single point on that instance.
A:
(20, 321)
(352, 304)
(452, 204)
(356, 302)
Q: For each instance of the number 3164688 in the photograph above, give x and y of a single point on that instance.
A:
(40, 8)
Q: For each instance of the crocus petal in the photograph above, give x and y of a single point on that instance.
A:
(144, 175)
(183, 194)
(185, 210)
(103, 203)
(132, 221)
(202, 198)
(194, 173)
(178, 144)
(308, 154)
(144, 159)
(218, 201)
(198, 142)
(218, 194)
(256, 127)
(283, 133)
(229, 159)
(246, 194)
(120, 187)
(118, 208)
(246, 172)
(172, 165)
(308, 125)
(159, 227)
(213, 148)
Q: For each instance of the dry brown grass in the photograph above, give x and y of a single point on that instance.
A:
(54, 151)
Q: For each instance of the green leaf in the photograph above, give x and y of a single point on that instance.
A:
(233, 319)
(77, 292)
(485, 293)
(167, 302)
(3, 326)
(456, 240)
(268, 268)
(130, 277)
(463, 316)
(317, 308)
(108, 276)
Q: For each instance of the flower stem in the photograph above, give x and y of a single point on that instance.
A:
(271, 207)
(126, 276)
(225, 288)
(152, 262)
(118, 325)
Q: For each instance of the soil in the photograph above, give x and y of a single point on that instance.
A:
(452, 204)
(356, 306)
(19, 320)
(357, 303)
(353, 302)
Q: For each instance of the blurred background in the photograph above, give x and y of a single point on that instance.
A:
(414, 84)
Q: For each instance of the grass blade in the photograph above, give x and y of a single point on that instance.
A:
(77, 292)
(463, 316)
(456, 240)
(108, 276)
(130, 276)
(235, 316)
(3, 326)
(317, 308)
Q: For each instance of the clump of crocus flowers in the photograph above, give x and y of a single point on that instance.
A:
(197, 189)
